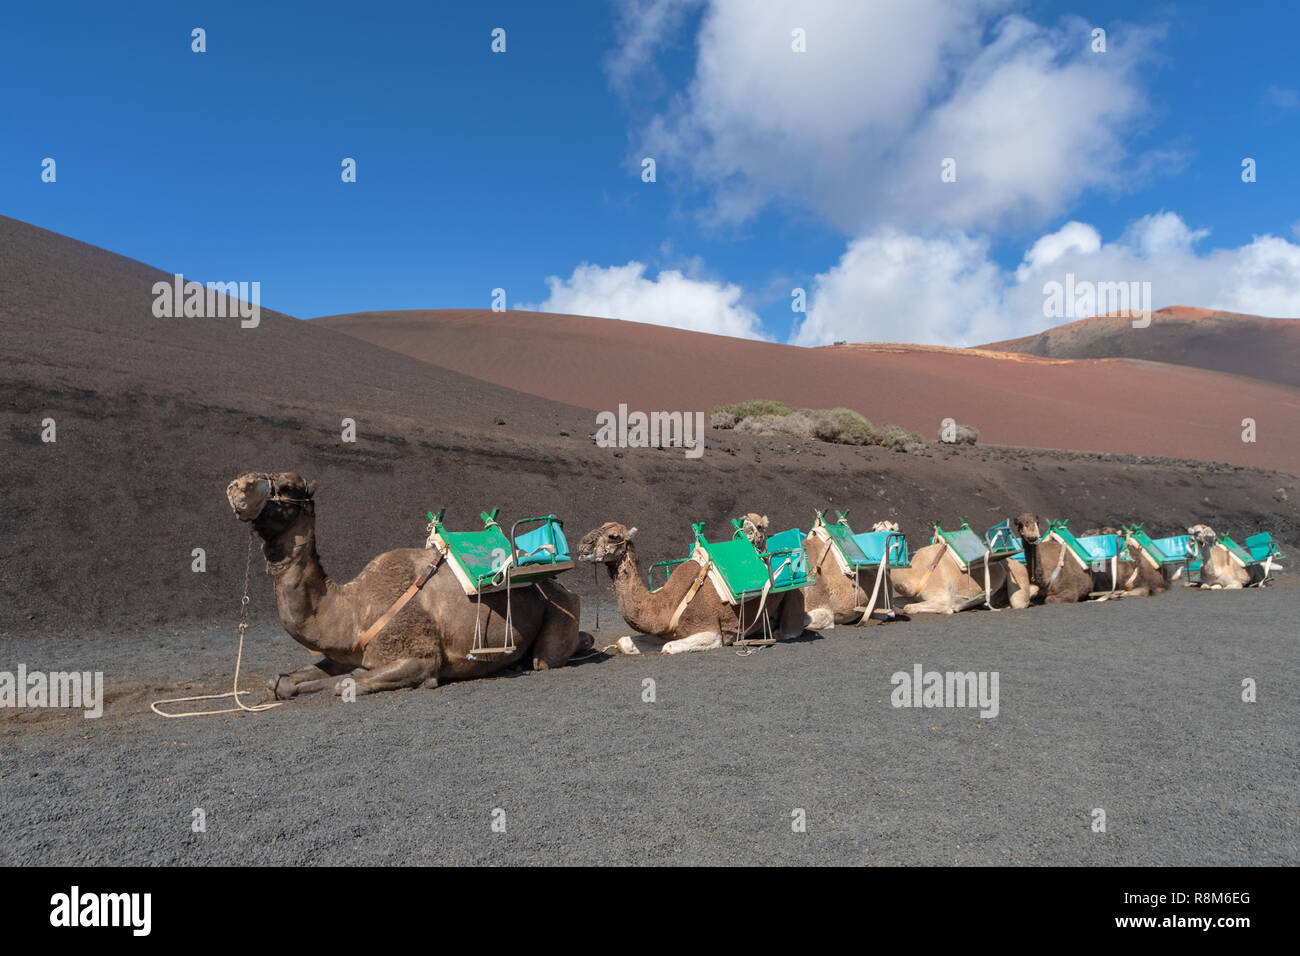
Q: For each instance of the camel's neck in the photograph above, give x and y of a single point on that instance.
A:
(630, 589)
(301, 584)
(1212, 560)
(1034, 564)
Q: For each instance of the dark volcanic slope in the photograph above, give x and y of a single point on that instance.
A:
(155, 416)
(1100, 405)
(1267, 349)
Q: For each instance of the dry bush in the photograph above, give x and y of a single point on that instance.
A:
(728, 416)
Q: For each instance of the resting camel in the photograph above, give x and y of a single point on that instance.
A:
(833, 597)
(1218, 570)
(937, 585)
(815, 602)
(427, 642)
(1142, 578)
(1057, 576)
(704, 623)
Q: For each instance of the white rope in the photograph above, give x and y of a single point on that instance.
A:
(239, 657)
(234, 692)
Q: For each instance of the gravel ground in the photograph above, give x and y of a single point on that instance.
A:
(1130, 706)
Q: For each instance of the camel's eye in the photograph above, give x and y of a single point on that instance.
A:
(615, 537)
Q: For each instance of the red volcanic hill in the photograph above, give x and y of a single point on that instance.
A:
(1092, 404)
(1267, 349)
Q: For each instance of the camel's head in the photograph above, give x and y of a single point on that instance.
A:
(606, 545)
(270, 499)
(885, 526)
(754, 527)
(1204, 536)
(1029, 527)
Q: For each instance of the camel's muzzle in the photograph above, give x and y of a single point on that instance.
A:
(248, 497)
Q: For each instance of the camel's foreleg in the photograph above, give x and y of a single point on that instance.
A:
(929, 607)
(559, 638)
(407, 672)
(819, 619)
(703, 641)
(792, 620)
(305, 681)
(639, 644)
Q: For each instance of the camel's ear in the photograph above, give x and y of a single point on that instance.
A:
(762, 522)
(311, 488)
(630, 532)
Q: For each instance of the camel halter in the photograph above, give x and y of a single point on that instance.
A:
(307, 504)
(239, 656)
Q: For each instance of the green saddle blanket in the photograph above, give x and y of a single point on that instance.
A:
(490, 560)
(970, 549)
(739, 571)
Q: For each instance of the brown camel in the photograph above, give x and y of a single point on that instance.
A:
(428, 641)
(815, 601)
(1142, 577)
(1218, 569)
(836, 596)
(1057, 575)
(706, 621)
(937, 585)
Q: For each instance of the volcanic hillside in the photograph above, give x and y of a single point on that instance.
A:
(1103, 405)
(1267, 349)
(154, 416)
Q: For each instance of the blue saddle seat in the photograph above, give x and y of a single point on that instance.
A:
(1180, 547)
(1103, 547)
(789, 561)
(873, 543)
(545, 544)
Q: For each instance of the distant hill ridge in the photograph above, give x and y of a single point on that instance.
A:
(1249, 345)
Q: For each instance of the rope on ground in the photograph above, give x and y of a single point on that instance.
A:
(235, 692)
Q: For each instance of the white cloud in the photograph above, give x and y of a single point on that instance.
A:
(889, 286)
(892, 287)
(671, 298)
(1072, 237)
(1162, 234)
(640, 27)
(856, 127)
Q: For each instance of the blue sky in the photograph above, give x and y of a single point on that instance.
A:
(479, 170)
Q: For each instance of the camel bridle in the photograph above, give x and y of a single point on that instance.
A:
(307, 504)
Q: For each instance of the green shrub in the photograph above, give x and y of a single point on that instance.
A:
(838, 426)
(841, 426)
(899, 438)
(728, 416)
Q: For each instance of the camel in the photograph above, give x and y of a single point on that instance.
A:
(661, 622)
(937, 585)
(1218, 570)
(833, 597)
(815, 601)
(427, 642)
(1057, 576)
(1143, 577)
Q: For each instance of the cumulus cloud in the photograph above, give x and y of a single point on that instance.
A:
(857, 127)
(671, 298)
(890, 286)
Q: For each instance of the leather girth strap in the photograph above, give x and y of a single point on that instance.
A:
(695, 586)
(397, 605)
(943, 549)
